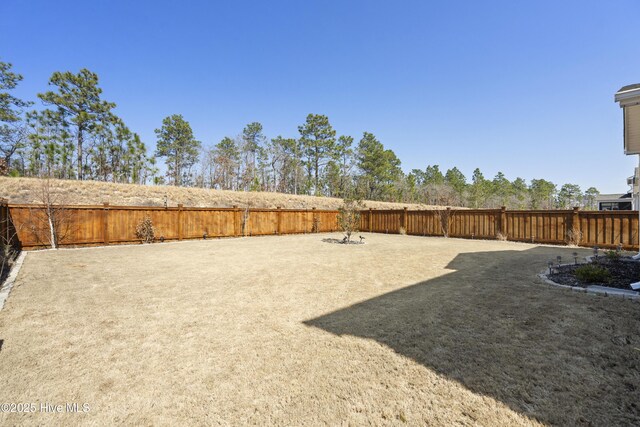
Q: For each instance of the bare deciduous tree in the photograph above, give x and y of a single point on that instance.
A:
(246, 213)
(444, 217)
(349, 217)
(50, 222)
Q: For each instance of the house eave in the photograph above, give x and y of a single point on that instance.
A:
(628, 95)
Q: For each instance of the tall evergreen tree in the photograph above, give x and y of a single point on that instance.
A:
(590, 198)
(502, 190)
(78, 106)
(380, 167)
(253, 142)
(12, 129)
(520, 193)
(542, 193)
(433, 176)
(457, 181)
(479, 189)
(435, 190)
(178, 146)
(318, 138)
(569, 196)
(343, 158)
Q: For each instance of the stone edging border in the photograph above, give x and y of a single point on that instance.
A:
(595, 290)
(8, 284)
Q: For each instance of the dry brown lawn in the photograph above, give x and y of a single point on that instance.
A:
(72, 192)
(295, 331)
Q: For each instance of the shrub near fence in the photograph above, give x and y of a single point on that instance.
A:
(103, 225)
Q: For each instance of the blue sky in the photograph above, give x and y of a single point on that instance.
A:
(525, 88)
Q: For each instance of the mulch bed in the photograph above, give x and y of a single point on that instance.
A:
(623, 273)
(344, 242)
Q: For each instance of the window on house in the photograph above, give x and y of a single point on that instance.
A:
(615, 206)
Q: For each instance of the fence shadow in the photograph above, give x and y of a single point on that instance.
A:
(546, 353)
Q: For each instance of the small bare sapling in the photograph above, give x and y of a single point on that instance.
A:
(349, 217)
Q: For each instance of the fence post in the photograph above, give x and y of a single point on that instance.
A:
(179, 221)
(279, 219)
(503, 221)
(403, 219)
(370, 218)
(575, 223)
(105, 222)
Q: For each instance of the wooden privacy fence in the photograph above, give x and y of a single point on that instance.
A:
(104, 225)
(605, 229)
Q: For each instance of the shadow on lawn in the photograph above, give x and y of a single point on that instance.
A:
(547, 353)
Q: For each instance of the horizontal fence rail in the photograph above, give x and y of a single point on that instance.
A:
(106, 224)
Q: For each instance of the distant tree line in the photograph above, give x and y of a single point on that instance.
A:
(76, 135)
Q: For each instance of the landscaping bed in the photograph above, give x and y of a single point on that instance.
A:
(614, 273)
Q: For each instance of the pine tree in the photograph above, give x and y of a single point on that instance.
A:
(569, 196)
(12, 130)
(479, 189)
(380, 168)
(318, 141)
(252, 143)
(78, 105)
(458, 182)
(542, 194)
(178, 146)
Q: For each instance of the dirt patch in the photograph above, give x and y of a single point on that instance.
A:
(289, 330)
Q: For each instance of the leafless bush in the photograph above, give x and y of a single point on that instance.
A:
(574, 237)
(444, 218)
(349, 217)
(402, 230)
(315, 226)
(501, 236)
(145, 230)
